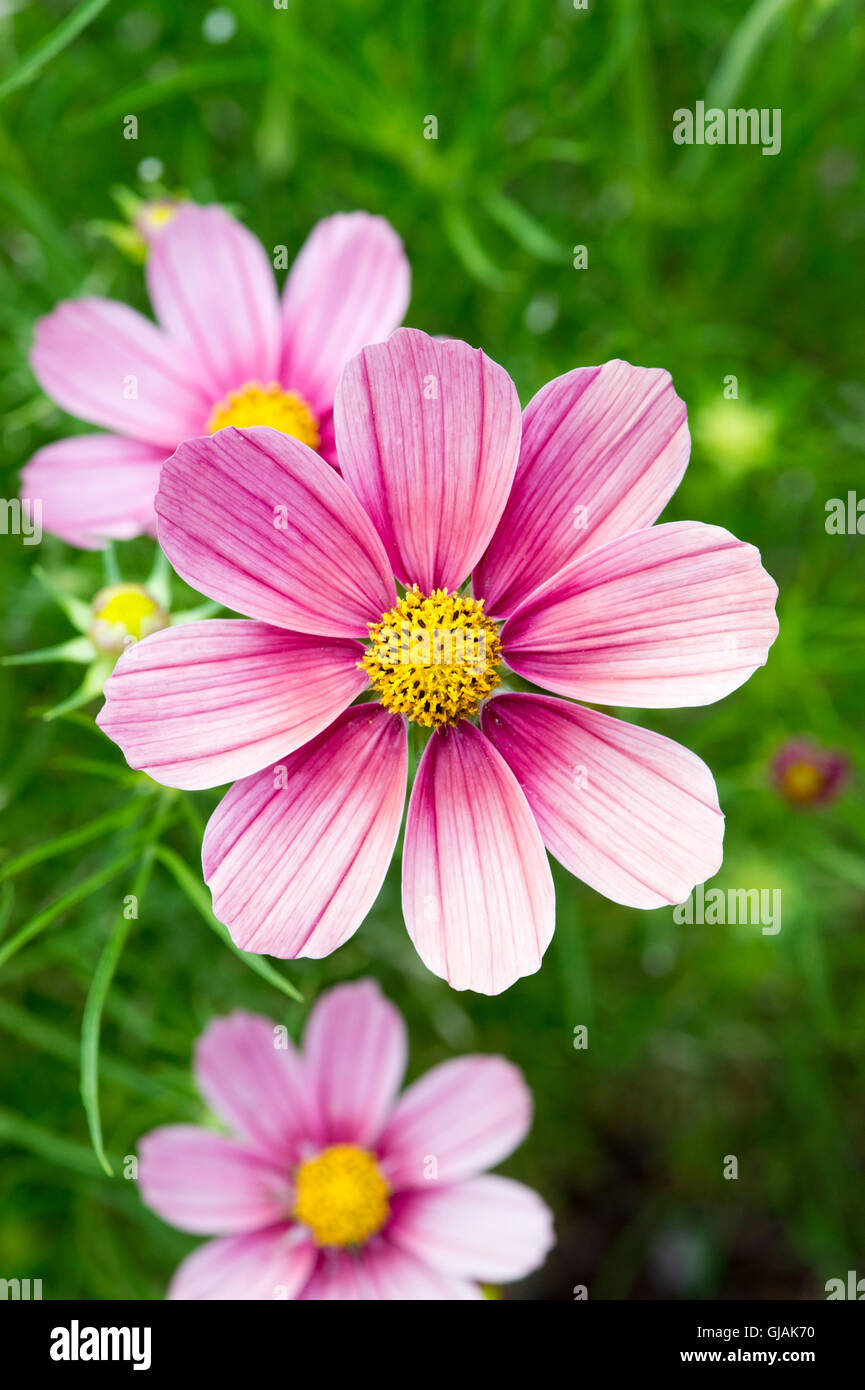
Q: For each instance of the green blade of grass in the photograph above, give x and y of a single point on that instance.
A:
(33, 62)
(197, 895)
(114, 820)
(50, 914)
(91, 1023)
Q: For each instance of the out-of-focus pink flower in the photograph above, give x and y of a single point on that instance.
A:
(332, 1185)
(807, 775)
(226, 351)
(573, 588)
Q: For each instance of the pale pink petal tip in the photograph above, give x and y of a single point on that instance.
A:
(478, 895)
(204, 703)
(488, 1228)
(349, 286)
(212, 286)
(629, 812)
(109, 365)
(255, 1082)
(603, 450)
(209, 1184)
(679, 614)
(461, 1118)
(295, 855)
(355, 1046)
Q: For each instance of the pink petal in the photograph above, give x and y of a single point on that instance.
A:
(427, 436)
(488, 1229)
(462, 1117)
(381, 1271)
(213, 289)
(349, 286)
(95, 487)
(603, 451)
(272, 1264)
(631, 813)
(477, 890)
(254, 1080)
(204, 703)
(679, 614)
(208, 1184)
(355, 1049)
(257, 521)
(106, 363)
(295, 858)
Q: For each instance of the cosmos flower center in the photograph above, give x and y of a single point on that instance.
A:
(803, 781)
(341, 1196)
(124, 613)
(433, 657)
(269, 405)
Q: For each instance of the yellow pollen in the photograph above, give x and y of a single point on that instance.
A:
(157, 215)
(341, 1196)
(124, 613)
(802, 781)
(257, 405)
(433, 657)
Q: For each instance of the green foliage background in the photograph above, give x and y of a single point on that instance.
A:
(555, 129)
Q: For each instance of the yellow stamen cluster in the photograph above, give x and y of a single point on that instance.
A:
(341, 1196)
(803, 781)
(433, 657)
(254, 404)
(124, 613)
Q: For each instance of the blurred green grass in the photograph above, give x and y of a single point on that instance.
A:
(554, 130)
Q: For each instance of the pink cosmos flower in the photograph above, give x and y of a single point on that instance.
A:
(334, 1188)
(573, 588)
(226, 352)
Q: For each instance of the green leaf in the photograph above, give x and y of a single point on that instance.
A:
(50, 914)
(197, 895)
(33, 62)
(525, 230)
(103, 825)
(91, 1024)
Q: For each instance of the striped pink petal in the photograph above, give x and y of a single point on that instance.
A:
(295, 856)
(274, 1264)
(427, 436)
(679, 614)
(383, 1272)
(255, 1082)
(213, 289)
(209, 1184)
(603, 451)
(257, 521)
(355, 1049)
(459, 1119)
(204, 703)
(477, 890)
(489, 1228)
(95, 487)
(109, 365)
(632, 814)
(349, 286)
